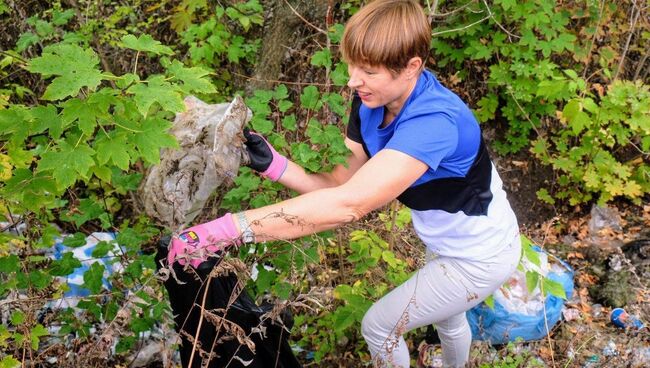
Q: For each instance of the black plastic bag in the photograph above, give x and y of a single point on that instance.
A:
(271, 347)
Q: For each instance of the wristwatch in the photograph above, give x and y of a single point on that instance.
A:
(247, 235)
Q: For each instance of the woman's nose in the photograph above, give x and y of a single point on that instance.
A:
(354, 81)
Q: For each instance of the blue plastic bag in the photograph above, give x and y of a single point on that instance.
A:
(83, 253)
(500, 325)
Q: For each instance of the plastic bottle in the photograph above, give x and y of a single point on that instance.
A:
(622, 319)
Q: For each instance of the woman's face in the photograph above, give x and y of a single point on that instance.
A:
(377, 87)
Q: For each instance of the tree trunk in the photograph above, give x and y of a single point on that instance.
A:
(283, 28)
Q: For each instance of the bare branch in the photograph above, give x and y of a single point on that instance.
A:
(303, 19)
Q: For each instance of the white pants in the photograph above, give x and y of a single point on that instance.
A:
(439, 293)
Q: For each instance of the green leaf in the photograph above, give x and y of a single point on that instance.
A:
(140, 324)
(571, 109)
(571, 73)
(74, 241)
(284, 105)
(281, 92)
(580, 121)
(152, 138)
(156, 89)
(336, 103)
(554, 288)
(262, 126)
(9, 362)
(125, 80)
(111, 147)
(15, 124)
(544, 196)
(67, 163)
(236, 50)
(564, 41)
(39, 279)
(344, 318)
(289, 122)
(60, 18)
(65, 265)
(507, 4)
(194, 79)
(102, 249)
(335, 32)
(25, 40)
(124, 182)
(36, 333)
(532, 255)
(489, 301)
(310, 97)
(43, 28)
(46, 117)
(265, 279)
(32, 190)
(10, 263)
(87, 112)
(17, 318)
(87, 210)
(551, 89)
(93, 277)
(145, 43)
(282, 290)
(322, 58)
(339, 75)
(389, 258)
(532, 279)
(73, 66)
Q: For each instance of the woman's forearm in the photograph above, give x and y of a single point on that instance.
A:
(296, 178)
(306, 214)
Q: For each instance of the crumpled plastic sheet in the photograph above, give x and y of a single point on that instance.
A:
(519, 314)
(75, 280)
(517, 299)
(211, 150)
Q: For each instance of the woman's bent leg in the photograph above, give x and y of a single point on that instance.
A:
(440, 293)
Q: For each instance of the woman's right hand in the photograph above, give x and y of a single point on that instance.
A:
(263, 157)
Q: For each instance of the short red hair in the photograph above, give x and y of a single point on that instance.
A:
(387, 33)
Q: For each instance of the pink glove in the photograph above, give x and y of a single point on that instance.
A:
(263, 157)
(198, 242)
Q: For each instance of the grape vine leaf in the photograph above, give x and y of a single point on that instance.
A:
(73, 67)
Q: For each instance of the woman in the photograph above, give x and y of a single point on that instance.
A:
(412, 139)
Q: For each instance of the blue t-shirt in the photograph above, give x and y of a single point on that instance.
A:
(434, 126)
(458, 206)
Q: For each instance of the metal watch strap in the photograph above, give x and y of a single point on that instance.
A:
(247, 234)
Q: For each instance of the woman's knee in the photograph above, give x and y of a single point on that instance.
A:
(372, 328)
(368, 324)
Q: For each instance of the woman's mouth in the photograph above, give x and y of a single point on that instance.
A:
(363, 95)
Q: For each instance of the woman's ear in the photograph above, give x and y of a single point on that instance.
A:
(413, 67)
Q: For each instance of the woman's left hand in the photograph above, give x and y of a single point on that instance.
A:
(199, 242)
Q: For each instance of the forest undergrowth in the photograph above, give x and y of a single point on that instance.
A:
(89, 90)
